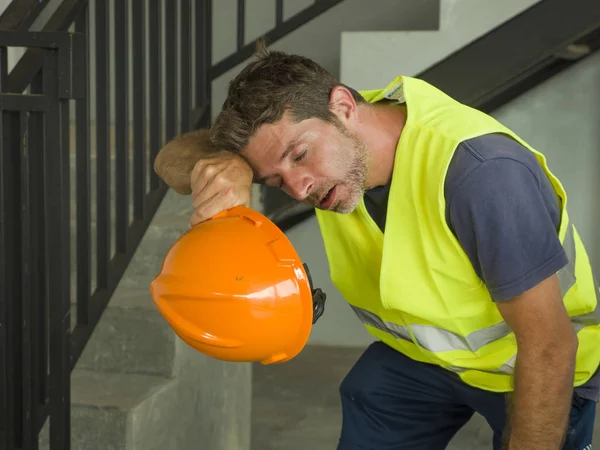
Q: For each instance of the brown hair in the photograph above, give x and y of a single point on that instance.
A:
(273, 83)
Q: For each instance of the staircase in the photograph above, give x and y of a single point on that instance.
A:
(136, 386)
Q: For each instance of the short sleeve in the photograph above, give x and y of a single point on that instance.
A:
(503, 213)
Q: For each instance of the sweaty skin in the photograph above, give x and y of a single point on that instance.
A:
(311, 159)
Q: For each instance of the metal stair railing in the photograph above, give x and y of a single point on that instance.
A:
(77, 191)
(19, 16)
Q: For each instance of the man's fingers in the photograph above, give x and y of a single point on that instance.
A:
(209, 191)
(202, 174)
(217, 185)
(218, 182)
(222, 200)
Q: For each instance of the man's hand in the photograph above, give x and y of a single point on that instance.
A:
(217, 179)
(219, 183)
(545, 365)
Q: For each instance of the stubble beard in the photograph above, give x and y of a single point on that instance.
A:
(356, 177)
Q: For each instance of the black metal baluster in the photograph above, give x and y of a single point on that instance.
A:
(241, 23)
(29, 427)
(102, 144)
(185, 43)
(58, 293)
(122, 120)
(83, 189)
(155, 77)
(7, 417)
(39, 310)
(170, 62)
(10, 273)
(203, 62)
(139, 108)
(63, 155)
(278, 12)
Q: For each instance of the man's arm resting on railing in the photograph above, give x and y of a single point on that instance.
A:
(545, 365)
(175, 161)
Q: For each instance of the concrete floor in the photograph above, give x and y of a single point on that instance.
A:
(296, 405)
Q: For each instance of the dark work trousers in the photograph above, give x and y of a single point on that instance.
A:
(391, 402)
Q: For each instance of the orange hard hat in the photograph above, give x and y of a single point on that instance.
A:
(234, 288)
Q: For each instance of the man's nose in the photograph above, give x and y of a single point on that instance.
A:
(298, 187)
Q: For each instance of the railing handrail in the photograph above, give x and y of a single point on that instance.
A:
(31, 62)
(19, 16)
(26, 68)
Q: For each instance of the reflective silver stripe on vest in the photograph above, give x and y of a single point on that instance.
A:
(437, 340)
(373, 320)
(507, 368)
(432, 338)
(566, 275)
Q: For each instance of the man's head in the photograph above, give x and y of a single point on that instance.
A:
(296, 125)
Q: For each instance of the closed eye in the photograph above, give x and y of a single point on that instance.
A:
(301, 156)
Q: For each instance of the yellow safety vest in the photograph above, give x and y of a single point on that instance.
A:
(414, 287)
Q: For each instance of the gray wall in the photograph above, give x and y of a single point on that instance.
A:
(392, 52)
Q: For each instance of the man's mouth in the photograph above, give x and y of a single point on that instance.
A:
(328, 198)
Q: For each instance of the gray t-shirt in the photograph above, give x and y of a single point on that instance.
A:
(505, 214)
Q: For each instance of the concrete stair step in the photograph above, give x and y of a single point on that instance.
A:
(113, 390)
(132, 336)
(137, 386)
(131, 339)
(170, 222)
(116, 411)
(162, 233)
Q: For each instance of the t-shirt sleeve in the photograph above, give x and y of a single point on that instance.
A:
(504, 213)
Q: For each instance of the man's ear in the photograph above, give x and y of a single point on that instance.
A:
(342, 103)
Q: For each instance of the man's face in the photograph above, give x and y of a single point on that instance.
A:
(313, 161)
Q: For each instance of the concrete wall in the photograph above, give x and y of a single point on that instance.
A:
(411, 52)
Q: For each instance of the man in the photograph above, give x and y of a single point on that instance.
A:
(447, 234)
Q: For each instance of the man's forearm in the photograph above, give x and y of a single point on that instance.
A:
(175, 161)
(541, 402)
